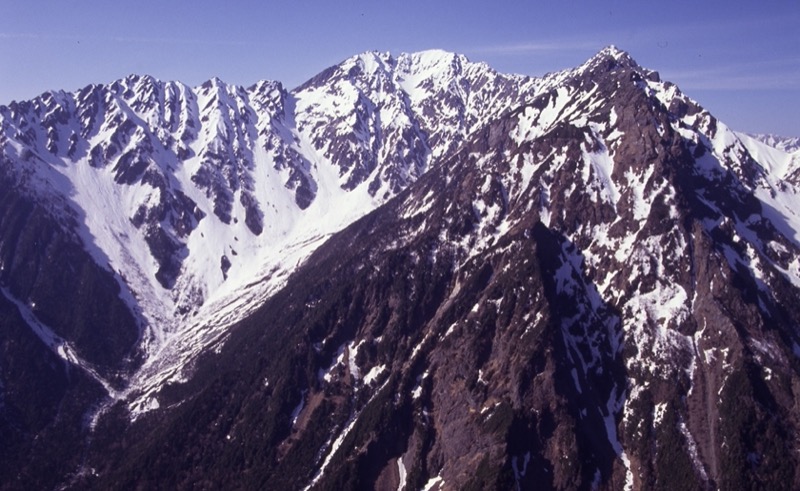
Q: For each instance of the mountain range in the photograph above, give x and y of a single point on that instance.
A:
(410, 272)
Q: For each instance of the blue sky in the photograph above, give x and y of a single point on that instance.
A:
(740, 59)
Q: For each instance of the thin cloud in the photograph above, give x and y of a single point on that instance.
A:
(632, 38)
(696, 29)
(756, 75)
(741, 82)
(120, 39)
(533, 47)
(215, 42)
(17, 35)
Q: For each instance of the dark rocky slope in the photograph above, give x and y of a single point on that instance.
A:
(53, 297)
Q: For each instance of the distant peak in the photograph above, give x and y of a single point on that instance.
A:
(613, 51)
(784, 143)
(371, 56)
(149, 79)
(134, 79)
(611, 59)
(369, 62)
(436, 56)
(213, 82)
(436, 53)
(432, 62)
(266, 86)
(621, 56)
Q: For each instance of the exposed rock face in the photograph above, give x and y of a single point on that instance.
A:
(581, 281)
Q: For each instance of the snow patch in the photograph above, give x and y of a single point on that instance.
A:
(434, 484)
(374, 373)
(401, 470)
(299, 408)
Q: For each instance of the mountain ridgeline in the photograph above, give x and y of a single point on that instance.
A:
(410, 272)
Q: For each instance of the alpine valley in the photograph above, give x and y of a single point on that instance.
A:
(408, 273)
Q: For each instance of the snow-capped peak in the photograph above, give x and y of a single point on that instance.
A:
(614, 52)
(611, 58)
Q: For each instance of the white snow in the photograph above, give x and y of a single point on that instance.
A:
(352, 352)
(658, 412)
(602, 166)
(434, 484)
(374, 373)
(450, 329)
(401, 470)
(778, 163)
(562, 105)
(693, 453)
(327, 375)
(628, 472)
(641, 203)
(299, 408)
(417, 391)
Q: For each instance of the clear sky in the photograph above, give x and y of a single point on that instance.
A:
(739, 58)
